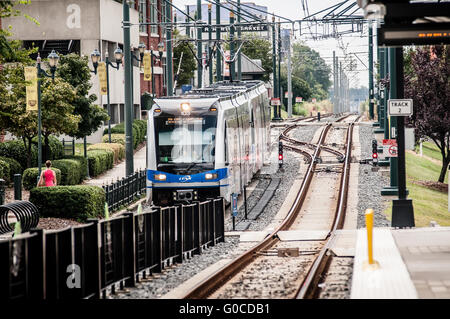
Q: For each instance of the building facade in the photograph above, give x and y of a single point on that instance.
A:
(80, 26)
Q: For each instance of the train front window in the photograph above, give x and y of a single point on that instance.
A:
(185, 139)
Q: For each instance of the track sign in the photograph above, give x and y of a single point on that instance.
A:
(400, 107)
(298, 99)
(390, 148)
(275, 101)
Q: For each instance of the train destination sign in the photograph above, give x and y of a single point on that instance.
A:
(400, 107)
(425, 33)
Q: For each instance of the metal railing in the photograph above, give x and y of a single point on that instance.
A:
(126, 190)
(88, 261)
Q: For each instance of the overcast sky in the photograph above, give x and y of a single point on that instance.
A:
(293, 9)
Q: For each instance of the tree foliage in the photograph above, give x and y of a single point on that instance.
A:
(74, 70)
(188, 64)
(259, 49)
(427, 82)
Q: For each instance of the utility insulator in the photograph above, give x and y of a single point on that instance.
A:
(375, 152)
(280, 153)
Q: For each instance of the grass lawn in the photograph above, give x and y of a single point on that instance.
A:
(428, 204)
(431, 150)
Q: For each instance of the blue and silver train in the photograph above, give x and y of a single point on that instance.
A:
(208, 142)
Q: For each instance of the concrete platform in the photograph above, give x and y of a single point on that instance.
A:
(414, 263)
(391, 280)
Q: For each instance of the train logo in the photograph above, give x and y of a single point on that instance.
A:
(185, 178)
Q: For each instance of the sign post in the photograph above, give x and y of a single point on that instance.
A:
(234, 211)
(276, 101)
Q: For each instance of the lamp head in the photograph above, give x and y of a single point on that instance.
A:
(118, 55)
(95, 56)
(53, 59)
(142, 48)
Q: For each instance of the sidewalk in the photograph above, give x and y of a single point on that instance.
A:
(118, 171)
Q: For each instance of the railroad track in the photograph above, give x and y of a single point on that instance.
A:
(316, 264)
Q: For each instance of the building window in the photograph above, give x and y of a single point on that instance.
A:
(143, 15)
(154, 16)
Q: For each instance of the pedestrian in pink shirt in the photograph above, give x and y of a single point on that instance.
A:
(47, 176)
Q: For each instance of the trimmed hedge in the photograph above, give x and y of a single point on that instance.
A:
(83, 163)
(115, 138)
(118, 149)
(100, 161)
(14, 168)
(30, 175)
(71, 171)
(56, 148)
(77, 202)
(139, 132)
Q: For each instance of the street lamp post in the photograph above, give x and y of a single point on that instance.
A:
(53, 59)
(158, 57)
(118, 55)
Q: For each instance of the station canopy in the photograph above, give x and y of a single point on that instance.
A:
(409, 22)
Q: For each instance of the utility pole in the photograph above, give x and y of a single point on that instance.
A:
(289, 67)
(188, 28)
(218, 56)
(393, 93)
(129, 165)
(341, 88)
(338, 86)
(274, 66)
(371, 114)
(334, 83)
(232, 48)
(199, 44)
(169, 59)
(387, 93)
(239, 32)
(280, 94)
(402, 209)
(211, 80)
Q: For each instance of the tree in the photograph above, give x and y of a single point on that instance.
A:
(427, 83)
(189, 63)
(309, 66)
(74, 70)
(259, 49)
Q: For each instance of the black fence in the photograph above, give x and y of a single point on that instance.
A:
(91, 260)
(125, 190)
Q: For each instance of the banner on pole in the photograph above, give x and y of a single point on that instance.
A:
(147, 66)
(31, 89)
(298, 99)
(101, 71)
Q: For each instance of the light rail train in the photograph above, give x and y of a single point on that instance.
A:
(207, 142)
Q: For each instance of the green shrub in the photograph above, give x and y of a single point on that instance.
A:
(56, 148)
(78, 202)
(100, 161)
(4, 170)
(83, 163)
(71, 171)
(118, 149)
(139, 131)
(16, 150)
(29, 178)
(14, 167)
(115, 138)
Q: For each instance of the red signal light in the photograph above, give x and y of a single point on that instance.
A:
(280, 157)
(374, 155)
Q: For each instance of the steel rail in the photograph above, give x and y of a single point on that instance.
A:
(308, 289)
(216, 280)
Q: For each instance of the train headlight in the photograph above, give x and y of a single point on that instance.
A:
(160, 177)
(185, 107)
(210, 176)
